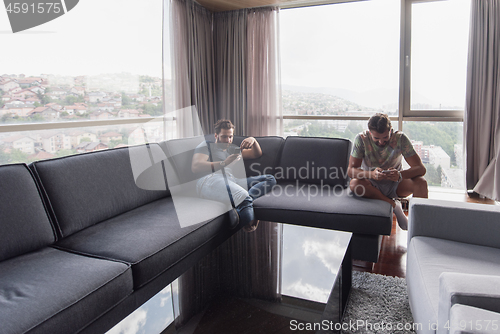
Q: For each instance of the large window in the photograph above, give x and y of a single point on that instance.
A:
(343, 62)
(99, 64)
(341, 59)
(436, 57)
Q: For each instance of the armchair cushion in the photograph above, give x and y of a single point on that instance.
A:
(469, 289)
(428, 258)
(466, 319)
(470, 223)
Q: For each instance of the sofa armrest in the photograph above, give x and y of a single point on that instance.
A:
(466, 319)
(477, 224)
(481, 291)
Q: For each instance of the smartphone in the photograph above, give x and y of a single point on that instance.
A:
(386, 171)
(233, 149)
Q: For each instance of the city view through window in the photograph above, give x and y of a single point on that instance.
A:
(325, 72)
(82, 75)
(343, 60)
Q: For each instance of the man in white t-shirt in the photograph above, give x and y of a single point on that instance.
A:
(375, 166)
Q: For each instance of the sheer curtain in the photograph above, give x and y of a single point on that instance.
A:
(231, 58)
(482, 116)
(264, 112)
(193, 62)
(247, 67)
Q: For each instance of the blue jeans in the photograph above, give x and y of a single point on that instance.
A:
(213, 187)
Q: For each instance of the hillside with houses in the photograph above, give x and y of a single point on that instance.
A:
(46, 98)
(49, 99)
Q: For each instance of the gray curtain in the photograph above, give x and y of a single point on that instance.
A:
(231, 58)
(482, 116)
(193, 63)
(227, 66)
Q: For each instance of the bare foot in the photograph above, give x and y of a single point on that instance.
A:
(252, 226)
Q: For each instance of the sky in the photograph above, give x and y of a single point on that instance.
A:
(351, 46)
(356, 46)
(95, 37)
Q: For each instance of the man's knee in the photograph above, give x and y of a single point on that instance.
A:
(358, 186)
(420, 182)
(247, 202)
(270, 180)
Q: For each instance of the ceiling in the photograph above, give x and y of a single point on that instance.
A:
(226, 5)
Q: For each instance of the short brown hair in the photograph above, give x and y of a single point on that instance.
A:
(379, 123)
(223, 124)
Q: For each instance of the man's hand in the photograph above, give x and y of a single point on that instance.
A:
(250, 148)
(393, 175)
(377, 174)
(233, 157)
(247, 143)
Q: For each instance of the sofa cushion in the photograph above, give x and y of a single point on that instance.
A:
(429, 257)
(149, 238)
(325, 207)
(24, 223)
(53, 291)
(86, 189)
(314, 160)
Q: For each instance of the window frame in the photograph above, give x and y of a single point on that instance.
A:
(405, 111)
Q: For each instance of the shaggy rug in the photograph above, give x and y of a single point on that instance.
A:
(378, 304)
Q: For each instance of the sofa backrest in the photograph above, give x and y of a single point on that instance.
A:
(314, 160)
(179, 154)
(83, 190)
(271, 149)
(24, 222)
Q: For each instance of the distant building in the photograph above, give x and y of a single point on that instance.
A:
(7, 85)
(459, 155)
(417, 146)
(95, 97)
(128, 113)
(78, 90)
(23, 94)
(102, 115)
(31, 81)
(22, 143)
(46, 112)
(89, 147)
(75, 109)
(17, 109)
(52, 142)
(76, 137)
(436, 156)
(453, 178)
(109, 136)
(41, 155)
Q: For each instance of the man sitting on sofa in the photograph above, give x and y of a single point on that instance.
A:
(210, 158)
(375, 166)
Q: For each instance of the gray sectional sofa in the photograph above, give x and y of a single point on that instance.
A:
(83, 245)
(453, 272)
